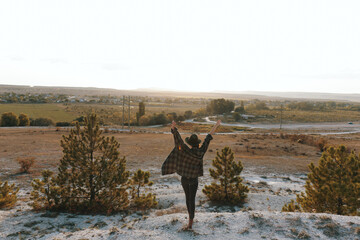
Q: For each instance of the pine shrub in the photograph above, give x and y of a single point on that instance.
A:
(291, 207)
(334, 185)
(45, 194)
(227, 171)
(140, 180)
(8, 196)
(91, 175)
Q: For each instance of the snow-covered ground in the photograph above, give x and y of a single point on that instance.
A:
(259, 218)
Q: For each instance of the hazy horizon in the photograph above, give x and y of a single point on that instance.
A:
(154, 90)
(194, 46)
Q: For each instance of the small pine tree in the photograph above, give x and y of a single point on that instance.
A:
(227, 171)
(141, 200)
(8, 196)
(45, 194)
(334, 185)
(92, 176)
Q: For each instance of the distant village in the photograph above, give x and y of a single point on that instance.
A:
(11, 97)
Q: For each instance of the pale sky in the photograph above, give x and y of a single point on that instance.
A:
(254, 45)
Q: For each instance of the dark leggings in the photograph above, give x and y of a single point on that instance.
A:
(190, 186)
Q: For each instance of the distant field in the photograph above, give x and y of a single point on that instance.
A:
(178, 108)
(54, 111)
(112, 114)
(299, 116)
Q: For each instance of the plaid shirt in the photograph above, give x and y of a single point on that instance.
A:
(185, 161)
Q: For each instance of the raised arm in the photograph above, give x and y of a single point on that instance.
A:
(173, 124)
(177, 138)
(215, 127)
(209, 137)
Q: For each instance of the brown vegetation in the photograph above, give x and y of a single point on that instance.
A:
(320, 143)
(25, 163)
(268, 153)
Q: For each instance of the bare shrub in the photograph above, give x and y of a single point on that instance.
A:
(321, 144)
(282, 136)
(331, 230)
(237, 149)
(25, 163)
(244, 231)
(196, 129)
(303, 235)
(324, 218)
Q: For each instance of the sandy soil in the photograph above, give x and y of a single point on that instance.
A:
(275, 170)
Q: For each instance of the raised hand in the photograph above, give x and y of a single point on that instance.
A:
(173, 124)
(215, 126)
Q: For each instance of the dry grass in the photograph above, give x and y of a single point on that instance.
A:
(205, 128)
(319, 142)
(305, 116)
(172, 210)
(303, 235)
(267, 153)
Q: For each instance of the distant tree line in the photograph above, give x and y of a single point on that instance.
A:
(322, 106)
(220, 106)
(302, 105)
(160, 118)
(10, 119)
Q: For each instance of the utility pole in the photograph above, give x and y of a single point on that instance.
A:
(129, 114)
(123, 115)
(281, 113)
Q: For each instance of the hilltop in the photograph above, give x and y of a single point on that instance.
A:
(246, 95)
